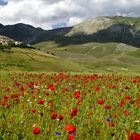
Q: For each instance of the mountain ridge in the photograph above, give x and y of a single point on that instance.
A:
(101, 29)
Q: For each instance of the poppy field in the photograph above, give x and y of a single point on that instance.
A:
(64, 106)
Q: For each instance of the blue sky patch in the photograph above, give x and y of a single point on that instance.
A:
(3, 2)
(59, 25)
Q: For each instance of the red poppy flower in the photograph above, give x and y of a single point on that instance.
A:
(41, 102)
(47, 93)
(134, 81)
(138, 98)
(122, 103)
(36, 130)
(14, 95)
(53, 115)
(33, 110)
(22, 94)
(76, 94)
(5, 97)
(60, 117)
(127, 87)
(113, 86)
(108, 107)
(125, 112)
(96, 88)
(74, 112)
(70, 137)
(138, 105)
(128, 97)
(3, 103)
(101, 101)
(70, 128)
(133, 136)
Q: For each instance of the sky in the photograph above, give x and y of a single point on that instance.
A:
(49, 14)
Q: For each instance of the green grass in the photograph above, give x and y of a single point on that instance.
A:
(33, 60)
(135, 53)
(49, 56)
(97, 56)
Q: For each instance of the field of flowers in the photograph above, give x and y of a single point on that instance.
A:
(63, 106)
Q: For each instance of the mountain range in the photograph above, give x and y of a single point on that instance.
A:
(101, 29)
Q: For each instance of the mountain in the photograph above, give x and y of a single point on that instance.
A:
(21, 32)
(29, 34)
(105, 29)
(101, 29)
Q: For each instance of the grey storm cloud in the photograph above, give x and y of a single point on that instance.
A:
(50, 13)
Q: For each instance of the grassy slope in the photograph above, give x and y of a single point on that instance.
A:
(34, 60)
(98, 56)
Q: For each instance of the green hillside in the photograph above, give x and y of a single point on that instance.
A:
(97, 56)
(18, 59)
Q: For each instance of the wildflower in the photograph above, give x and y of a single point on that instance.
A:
(53, 115)
(60, 117)
(33, 110)
(101, 101)
(36, 130)
(70, 137)
(138, 105)
(58, 133)
(128, 97)
(122, 103)
(108, 107)
(125, 112)
(133, 136)
(70, 128)
(108, 119)
(76, 94)
(5, 97)
(47, 93)
(127, 87)
(74, 112)
(134, 81)
(3, 103)
(41, 102)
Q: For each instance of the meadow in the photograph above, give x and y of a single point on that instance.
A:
(67, 106)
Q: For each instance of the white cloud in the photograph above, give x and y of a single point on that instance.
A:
(46, 13)
(74, 20)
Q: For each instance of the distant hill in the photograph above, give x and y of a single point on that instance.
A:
(113, 57)
(101, 29)
(21, 32)
(19, 59)
(29, 34)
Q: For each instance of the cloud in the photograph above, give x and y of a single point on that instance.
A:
(56, 13)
